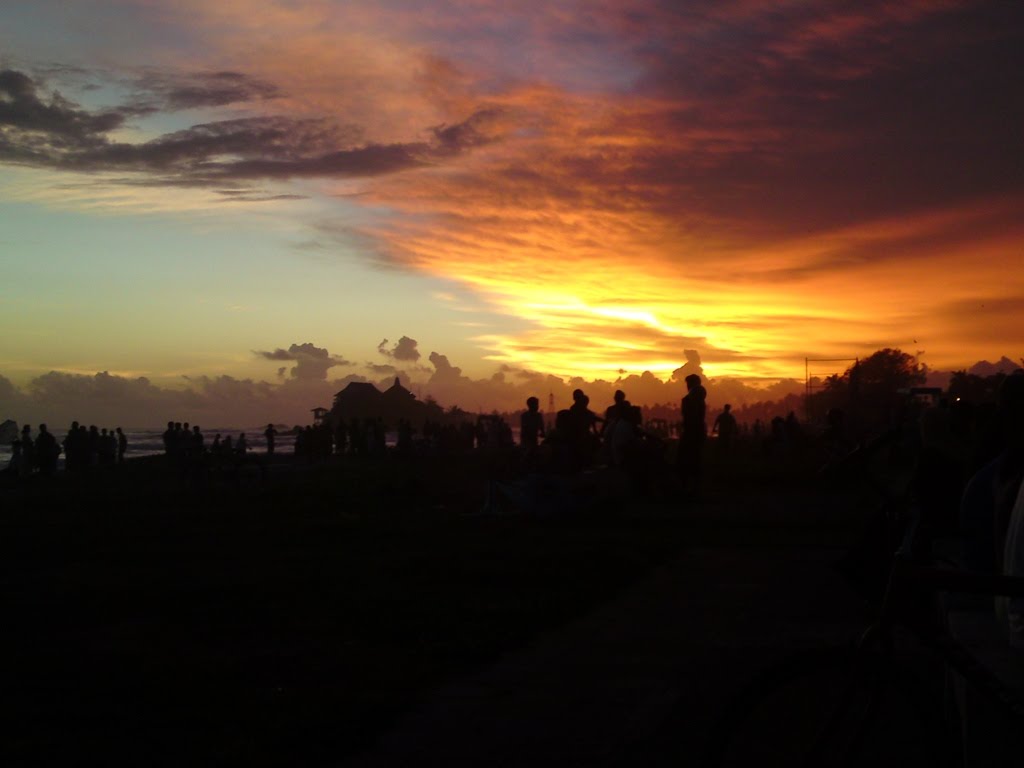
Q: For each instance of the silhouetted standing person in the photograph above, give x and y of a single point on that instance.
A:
(691, 442)
(106, 448)
(122, 445)
(73, 448)
(582, 426)
(241, 445)
(531, 424)
(28, 451)
(620, 409)
(585, 419)
(93, 444)
(47, 451)
(270, 433)
(16, 466)
(725, 428)
(621, 430)
(1009, 509)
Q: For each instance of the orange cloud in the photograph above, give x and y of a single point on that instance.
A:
(760, 184)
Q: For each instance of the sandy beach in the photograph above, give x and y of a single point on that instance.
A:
(304, 614)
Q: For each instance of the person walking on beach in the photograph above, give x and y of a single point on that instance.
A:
(270, 433)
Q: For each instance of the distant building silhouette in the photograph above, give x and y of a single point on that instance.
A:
(362, 400)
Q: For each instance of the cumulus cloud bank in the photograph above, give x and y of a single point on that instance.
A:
(218, 401)
(109, 399)
(405, 349)
(312, 362)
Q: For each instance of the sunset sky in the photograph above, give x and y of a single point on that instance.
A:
(199, 189)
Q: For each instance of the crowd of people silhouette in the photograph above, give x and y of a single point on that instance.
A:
(576, 440)
(964, 461)
(183, 441)
(579, 440)
(961, 452)
(83, 448)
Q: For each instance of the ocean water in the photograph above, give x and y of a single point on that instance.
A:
(147, 442)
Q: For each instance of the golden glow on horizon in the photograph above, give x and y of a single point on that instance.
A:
(843, 293)
(611, 225)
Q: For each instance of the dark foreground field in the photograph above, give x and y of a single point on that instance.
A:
(324, 615)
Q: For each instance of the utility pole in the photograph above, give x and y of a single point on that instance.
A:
(807, 390)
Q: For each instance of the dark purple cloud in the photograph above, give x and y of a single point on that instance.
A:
(823, 113)
(405, 349)
(174, 91)
(29, 122)
(54, 132)
(311, 362)
(477, 130)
